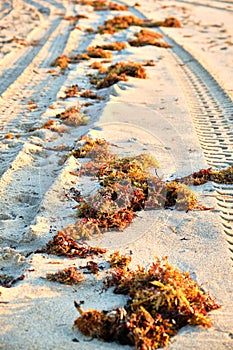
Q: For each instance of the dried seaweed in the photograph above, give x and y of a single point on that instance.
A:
(68, 276)
(224, 176)
(61, 61)
(148, 37)
(117, 46)
(8, 281)
(63, 245)
(117, 260)
(73, 117)
(119, 71)
(91, 267)
(123, 22)
(117, 7)
(76, 18)
(127, 186)
(87, 147)
(71, 91)
(97, 52)
(161, 300)
(52, 125)
(83, 229)
(79, 57)
(92, 95)
(118, 23)
(171, 22)
(98, 5)
(99, 66)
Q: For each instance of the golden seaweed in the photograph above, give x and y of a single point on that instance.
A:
(68, 276)
(161, 301)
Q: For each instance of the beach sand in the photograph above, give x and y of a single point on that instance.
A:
(181, 114)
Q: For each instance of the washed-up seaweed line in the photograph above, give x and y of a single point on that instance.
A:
(212, 112)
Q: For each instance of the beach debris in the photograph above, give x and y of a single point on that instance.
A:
(72, 117)
(52, 125)
(99, 66)
(61, 61)
(223, 176)
(8, 281)
(117, 72)
(71, 91)
(91, 94)
(32, 105)
(148, 37)
(119, 260)
(117, 46)
(84, 228)
(87, 147)
(69, 276)
(126, 186)
(79, 57)
(76, 18)
(97, 52)
(117, 23)
(63, 245)
(91, 267)
(98, 5)
(161, 301)
(113, 6)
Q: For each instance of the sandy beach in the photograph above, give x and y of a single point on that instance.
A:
(180, 112)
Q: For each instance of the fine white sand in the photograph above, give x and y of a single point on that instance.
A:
(152, 115)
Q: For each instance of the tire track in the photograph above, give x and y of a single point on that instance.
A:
(30, 172)
(212, 111)
(5, 8)
(208, 5)
(17, 62)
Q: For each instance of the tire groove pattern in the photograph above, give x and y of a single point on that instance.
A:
(212, 110)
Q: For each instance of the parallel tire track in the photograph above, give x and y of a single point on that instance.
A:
(26, 170)
(224, 7)
(212, 112)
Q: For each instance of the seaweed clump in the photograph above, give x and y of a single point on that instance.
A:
(224, 176)
(8, 281)
(71, 91)
(98, 52)
(61, 61)
(92, 95)
(97, 150)
(117, 46)
(148, 37)
(161, 301)
(126, 186)
(68, 276)
(117, 23)
(98, 5)
(63, 245)
(73, 117)
(118, 72)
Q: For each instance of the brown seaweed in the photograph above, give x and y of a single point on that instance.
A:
(68, 276)
(117, 72)
(161, 301)
(72, 116)
(63, 245)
